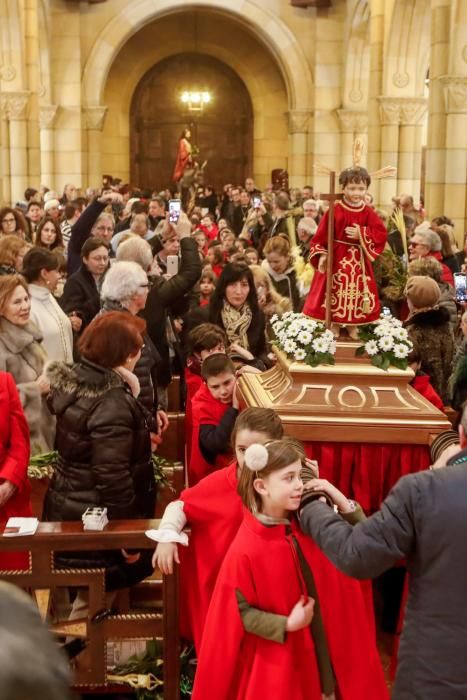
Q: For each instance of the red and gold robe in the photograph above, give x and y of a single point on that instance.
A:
(354, 295)
(183, 159)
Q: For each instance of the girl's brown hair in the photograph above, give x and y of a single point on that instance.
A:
(10, 248)
(281, 453)
(258, 420)
(58, 243)
(8, 284)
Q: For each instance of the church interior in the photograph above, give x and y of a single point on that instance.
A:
(233, 233)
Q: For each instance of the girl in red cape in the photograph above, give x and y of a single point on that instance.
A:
(283, 622)
(14, 459)
(214, 512)
(359, 237)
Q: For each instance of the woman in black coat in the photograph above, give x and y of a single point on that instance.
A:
(103, 441)
(81, 293)
(234, 308)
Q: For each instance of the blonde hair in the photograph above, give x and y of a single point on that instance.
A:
(8, 284)
(10, 247)
(273, 298)
(278, 245)
(281, 453)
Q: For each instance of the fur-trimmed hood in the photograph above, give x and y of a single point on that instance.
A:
(84, 380)
(17, 338)
(435, 317)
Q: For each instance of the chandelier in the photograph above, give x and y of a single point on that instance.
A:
(196, 100)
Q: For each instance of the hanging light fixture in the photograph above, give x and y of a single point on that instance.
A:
(195, 100)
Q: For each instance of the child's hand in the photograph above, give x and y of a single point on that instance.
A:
(312, 465)
(164, 556)
(235, 400)
(336, 496)
(323, 263)
(301, 615)
(353, 231)
(237, 349)
(247, 369)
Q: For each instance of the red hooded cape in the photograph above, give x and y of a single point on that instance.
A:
(193, 381)
(214, 512)
(206, 410)
(235, 665)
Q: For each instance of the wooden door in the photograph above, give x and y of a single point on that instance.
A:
(223, 132)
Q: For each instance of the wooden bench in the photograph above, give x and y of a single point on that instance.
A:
(42, 578)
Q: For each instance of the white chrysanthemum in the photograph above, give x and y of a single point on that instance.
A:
(386, 343)
(274, 319)
(256, 457)
(332, 347)
(381, 329)
(287, 315)
(399, 333)
(320, 345)
(290, 346)
(294, 329)
(371, 347)
(396, 322)
(401, 351)
(305, 337)
(300, 355)
(328, 335)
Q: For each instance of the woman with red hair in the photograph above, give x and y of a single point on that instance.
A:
(103, 441)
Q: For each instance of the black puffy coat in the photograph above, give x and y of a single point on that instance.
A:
(104, 459)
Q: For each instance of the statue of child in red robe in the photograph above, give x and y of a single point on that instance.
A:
(359, 237)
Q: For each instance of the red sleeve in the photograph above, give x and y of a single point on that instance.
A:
(373, 236)
(15, 464)
(319, 242)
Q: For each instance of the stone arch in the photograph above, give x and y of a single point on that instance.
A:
(232, 44)
(407, 49)
(267, 27)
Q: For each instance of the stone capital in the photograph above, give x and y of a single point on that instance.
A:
(47, 116)
(14, 105)
(299, 121)
(94, 117)
(404, 111)
(353, 120)
(455, 93)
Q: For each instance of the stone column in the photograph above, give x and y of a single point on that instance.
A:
(409, 164)
(455, 194)
(94, 118)
(375, 88)
(354, 125)
(439, 66)
(299, 122)
(47, 119)
(390, 117)
(14, 109)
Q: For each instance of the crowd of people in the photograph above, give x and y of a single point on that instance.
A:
(105, 297)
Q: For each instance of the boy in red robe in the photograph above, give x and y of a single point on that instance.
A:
(203, 341)
(359, 237)
(213, 510)
(214, 410)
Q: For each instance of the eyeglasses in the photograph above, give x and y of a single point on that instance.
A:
(414, 244)
(144, 286)
(10, 220)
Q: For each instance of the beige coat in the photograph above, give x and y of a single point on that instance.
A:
(22, 354)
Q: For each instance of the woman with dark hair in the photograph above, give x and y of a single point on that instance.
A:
(103, 441)
(48, 235)
(41, 270)
(234, 308)
(12, 221)
(81, 293)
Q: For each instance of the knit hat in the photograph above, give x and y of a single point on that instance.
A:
(422, 292)
(50, 204)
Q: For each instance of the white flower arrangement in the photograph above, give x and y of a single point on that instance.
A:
(385, 342)
(303, 339)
